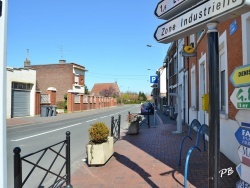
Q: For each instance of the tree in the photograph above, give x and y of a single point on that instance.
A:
(86, 90)
(110, 92)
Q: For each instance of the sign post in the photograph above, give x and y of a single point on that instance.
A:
(214, 118)
(3, 38)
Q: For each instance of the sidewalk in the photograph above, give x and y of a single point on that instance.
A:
(150, 159)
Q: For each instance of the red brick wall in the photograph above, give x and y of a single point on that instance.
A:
(234, 57)
(59, 76)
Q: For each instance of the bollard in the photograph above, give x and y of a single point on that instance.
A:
(148, 120)
(68, 161)
(112, 126)
(17, 168)
(119, 125)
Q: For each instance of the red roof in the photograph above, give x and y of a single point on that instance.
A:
(97, 88)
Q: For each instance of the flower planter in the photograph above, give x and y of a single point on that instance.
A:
(99, 154)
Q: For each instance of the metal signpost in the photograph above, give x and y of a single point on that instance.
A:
(241, 100)
(3, 38)
(205, 14)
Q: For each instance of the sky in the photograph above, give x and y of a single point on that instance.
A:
(108, 38)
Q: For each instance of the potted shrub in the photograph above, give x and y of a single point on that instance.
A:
(101, 145)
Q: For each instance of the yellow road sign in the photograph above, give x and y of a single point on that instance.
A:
(241, 76)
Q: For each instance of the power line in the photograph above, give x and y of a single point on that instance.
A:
(114, 74)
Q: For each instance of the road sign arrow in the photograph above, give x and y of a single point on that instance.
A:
(242, 117)
(169, 8)
(243, 136)
(244, 172)
(241, 76)
(244, 154)
(241, 98)
(242, 184)
(197, 17)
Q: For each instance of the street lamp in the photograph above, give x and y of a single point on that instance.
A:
(151, 46)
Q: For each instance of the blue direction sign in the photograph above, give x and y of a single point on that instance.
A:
(153, 79)
(243, 136)
(244, 172)
(242, 184)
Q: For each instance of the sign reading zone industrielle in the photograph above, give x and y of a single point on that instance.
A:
(196, 18)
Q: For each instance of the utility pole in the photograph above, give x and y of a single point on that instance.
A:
(3, 42)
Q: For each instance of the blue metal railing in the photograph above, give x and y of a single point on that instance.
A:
(202, 131)
(194, 124)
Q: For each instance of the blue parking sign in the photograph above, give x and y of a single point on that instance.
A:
(153, 79)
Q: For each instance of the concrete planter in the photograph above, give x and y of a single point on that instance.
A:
(134, 127)
(99, 154)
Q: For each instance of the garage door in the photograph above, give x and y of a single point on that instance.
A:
(20, 103)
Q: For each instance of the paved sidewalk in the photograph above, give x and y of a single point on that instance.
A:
(150, 159)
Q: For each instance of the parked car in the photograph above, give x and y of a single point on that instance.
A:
(147, 106)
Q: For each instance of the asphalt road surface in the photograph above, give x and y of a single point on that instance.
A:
(41, 132)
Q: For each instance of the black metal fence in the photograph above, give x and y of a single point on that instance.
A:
(60, 178)
(116, 127)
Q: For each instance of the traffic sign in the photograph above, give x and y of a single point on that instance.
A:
(244, 172)
(242, 117)
(241, 76)
(241, 98)
(244, 155)
(242, 184)
(243, 136)
(166, 9)
(197, 17)
(153, 79)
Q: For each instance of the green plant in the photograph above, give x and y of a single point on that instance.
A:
(98, 133)
(60, 105)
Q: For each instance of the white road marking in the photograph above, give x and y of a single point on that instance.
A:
(45, 133)
(91, 120)
(24, 138)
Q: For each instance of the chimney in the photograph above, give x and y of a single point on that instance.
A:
(26, 63)
(62, 61)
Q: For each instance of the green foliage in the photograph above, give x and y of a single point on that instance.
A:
(86, 90)
(60, 105)
(98, 133)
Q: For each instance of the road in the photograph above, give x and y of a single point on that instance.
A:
(42, 132)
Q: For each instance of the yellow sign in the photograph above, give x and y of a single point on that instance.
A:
(241, 76)
(188, 49)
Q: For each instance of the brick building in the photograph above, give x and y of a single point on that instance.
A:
(62, 76)
(192, 81)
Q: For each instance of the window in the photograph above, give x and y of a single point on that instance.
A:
(223, 90)
(193, 88)
(76, 79)
(222, 83)
(245, 18)
(175, 65)
(22, 86)
(199, 34)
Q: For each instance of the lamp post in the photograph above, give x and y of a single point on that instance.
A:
(3, 42)
(152, 46)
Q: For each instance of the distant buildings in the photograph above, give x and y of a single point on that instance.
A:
(62, 76)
